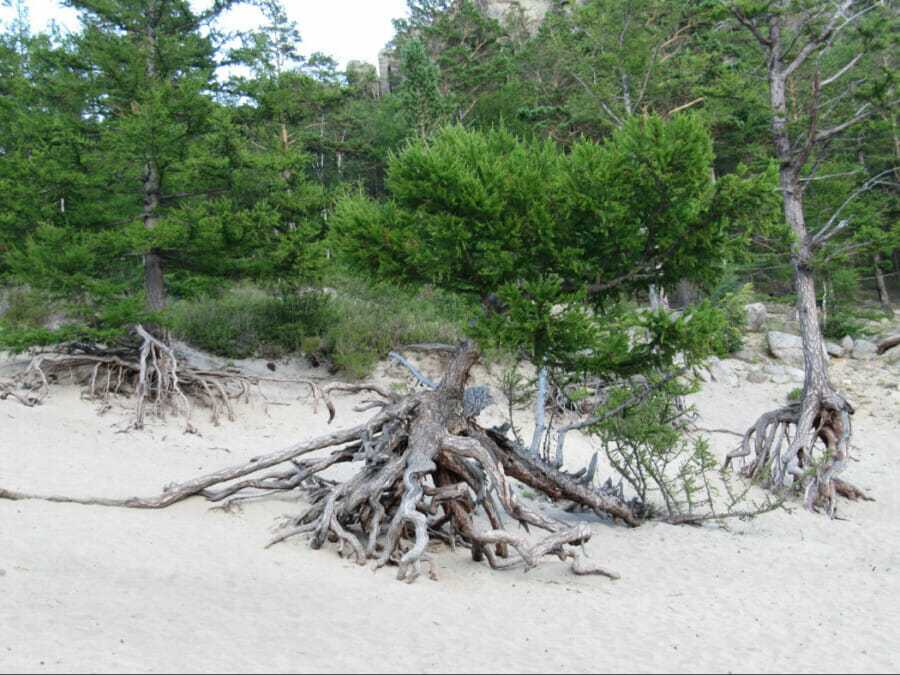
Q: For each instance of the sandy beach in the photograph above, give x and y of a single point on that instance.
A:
(192, 589)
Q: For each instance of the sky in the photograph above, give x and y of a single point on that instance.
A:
(344, 29)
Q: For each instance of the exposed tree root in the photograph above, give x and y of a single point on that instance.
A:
(886, 345)
(152, 375)
(427, 473)
(805, 445)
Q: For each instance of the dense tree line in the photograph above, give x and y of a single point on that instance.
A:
(553, 180)
(124, 141)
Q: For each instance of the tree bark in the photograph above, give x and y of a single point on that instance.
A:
(154, 280)
(883, 296)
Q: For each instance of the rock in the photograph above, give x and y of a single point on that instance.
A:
(892, 357)
(194, 358)
(12, 366)
(864, 350)
(757, 315)
(847, 343)
(721, 372)
(758, 377)
(835, 351)
(783, 374)
(746, 356)
(785, 347)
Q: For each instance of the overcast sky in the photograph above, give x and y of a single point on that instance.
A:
(345, 29)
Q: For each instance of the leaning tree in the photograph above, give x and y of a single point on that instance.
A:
(478, 211)
(816, 94)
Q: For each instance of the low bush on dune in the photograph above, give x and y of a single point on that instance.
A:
(370, 320)
(247, 322)
(351, 325)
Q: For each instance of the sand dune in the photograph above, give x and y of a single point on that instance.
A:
(88, 589)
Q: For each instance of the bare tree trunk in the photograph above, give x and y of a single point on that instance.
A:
(822, 414)
(154, 281)
(883, 296)
(658, 298)
(686, 293)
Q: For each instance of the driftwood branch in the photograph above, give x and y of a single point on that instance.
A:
(886, 345)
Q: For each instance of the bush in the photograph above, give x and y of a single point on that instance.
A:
(24, 308)
(844, 324)
(247, 322)
(646, 446)
(370, 320)
(731, 299)
(352, 327)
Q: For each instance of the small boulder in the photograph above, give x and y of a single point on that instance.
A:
(757, 315)
(721, 372)
(758, 377)
(746, 356)
(785, 347)
(194, 358)
(863, 350)
(835, 351)
(848, 343)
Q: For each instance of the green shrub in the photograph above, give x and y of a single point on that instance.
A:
(846, 322)
(247, 322)
(846, 315)
(370, 320)
(25, 308)
(352, 327)
(732, 299)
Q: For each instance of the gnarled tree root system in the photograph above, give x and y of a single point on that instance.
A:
(152, 374)
(427, 472)
(806, 444)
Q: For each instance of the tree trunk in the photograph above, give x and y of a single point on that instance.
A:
(686, 293)
(883, 296)
(822, 414)
(154, 282)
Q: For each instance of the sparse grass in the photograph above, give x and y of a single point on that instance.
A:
(372, 320)
(352, 325)
(24, 308)
(249, 322)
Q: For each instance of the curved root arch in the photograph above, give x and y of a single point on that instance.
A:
(804, 445)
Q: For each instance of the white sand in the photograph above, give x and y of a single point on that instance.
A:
(87, 589)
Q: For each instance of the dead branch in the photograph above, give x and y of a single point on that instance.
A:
(888, 344)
